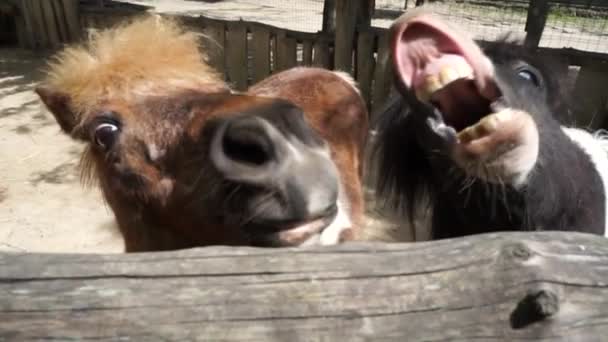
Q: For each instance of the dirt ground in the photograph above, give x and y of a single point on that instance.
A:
(43, 208)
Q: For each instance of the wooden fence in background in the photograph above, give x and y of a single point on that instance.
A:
(247, 52)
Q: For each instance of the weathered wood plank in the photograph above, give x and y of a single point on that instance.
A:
(590, 94)
(34, 20)
(329, 16)
(298, 35)
(286, 52)
(72, 18)
(346, 25)
(321, 54)
(261, 53)
(307, 52)
(382, 74)
(216, 45)
(365, 63)
(50, 23)
(538, 11)
(236, 54)
(505, 286)
(23, 35)
(61, 22)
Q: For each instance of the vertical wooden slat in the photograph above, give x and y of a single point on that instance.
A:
(538, 11)
(590, 94)
(49, 23)
(307, 52)
(21, 37)
(60, 20)
(329, 16)
(365, 63)
(261, 53)
(321, 54)
(83, 23)
(72, 19)
(346, 22)
(216, 43)
(32, 12)
(29, 24)
(286, 51)
(382, 72)
(236, 54)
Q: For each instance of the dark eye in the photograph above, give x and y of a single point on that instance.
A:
(105, 134)
(530, 76)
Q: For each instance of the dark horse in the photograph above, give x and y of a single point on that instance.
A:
(477, 133)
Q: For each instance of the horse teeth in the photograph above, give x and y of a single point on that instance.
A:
(423, 95)
(431, 85)
(464, 71)
(504, 115)
(484, 127)
(448, 75)
(488, 125)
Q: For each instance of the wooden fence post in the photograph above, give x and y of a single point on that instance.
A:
(589, 90)
(47, 24)
(329, 16)
(538, 11)
(351, 16)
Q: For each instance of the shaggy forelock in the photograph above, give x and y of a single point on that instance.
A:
(129, 59)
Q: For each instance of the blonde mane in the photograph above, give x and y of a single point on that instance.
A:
(136, 57)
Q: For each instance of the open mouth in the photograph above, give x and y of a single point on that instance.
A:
(289, 233)
(444, 68)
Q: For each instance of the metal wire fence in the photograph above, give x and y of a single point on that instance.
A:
(580, 24)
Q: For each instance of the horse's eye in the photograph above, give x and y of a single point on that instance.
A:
(530, 76)
(105, 135)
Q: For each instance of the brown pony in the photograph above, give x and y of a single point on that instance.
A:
(184, 161)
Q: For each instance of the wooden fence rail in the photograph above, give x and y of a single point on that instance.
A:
(505, 286)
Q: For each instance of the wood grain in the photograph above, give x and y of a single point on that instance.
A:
(506, 286)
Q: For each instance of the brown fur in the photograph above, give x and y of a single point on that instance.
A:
(336, 110)
(150, 76)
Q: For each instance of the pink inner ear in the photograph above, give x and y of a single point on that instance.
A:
(419, 50)
(422, 44)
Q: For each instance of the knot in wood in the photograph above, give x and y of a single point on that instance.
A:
(517, 252)
(534, 307)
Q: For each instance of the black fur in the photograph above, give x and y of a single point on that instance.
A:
(564, 191)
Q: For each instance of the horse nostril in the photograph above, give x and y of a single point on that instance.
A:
(248, 150)
(247, 141)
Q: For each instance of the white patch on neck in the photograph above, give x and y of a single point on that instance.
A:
(596, 146)
(331, 234)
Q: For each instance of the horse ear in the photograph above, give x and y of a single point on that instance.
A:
(58, 103)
